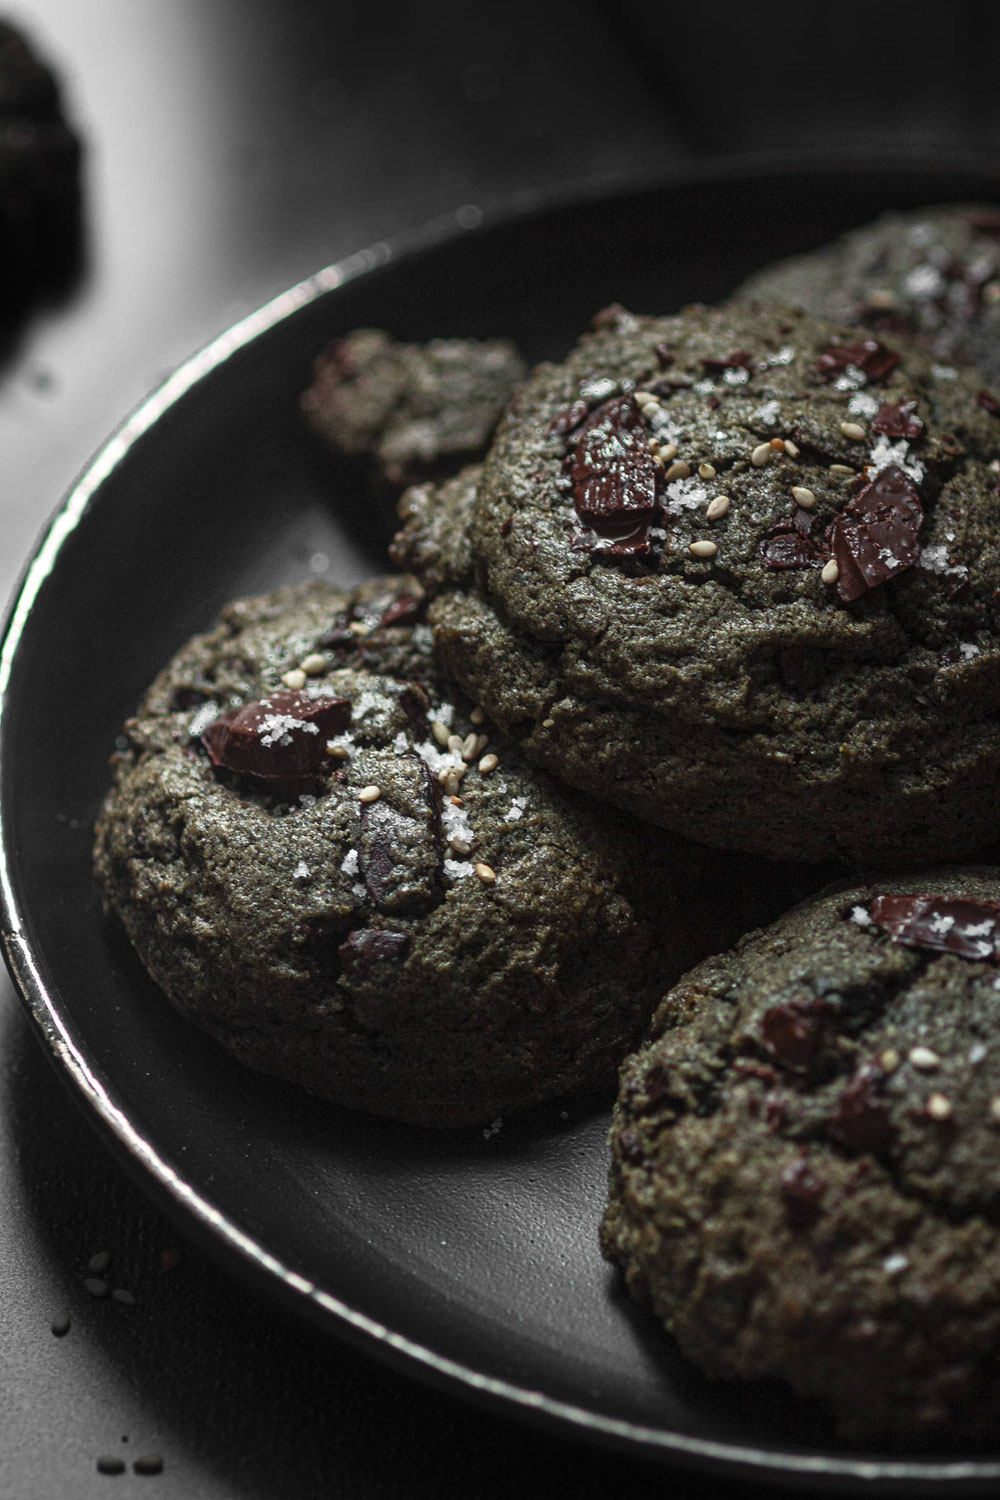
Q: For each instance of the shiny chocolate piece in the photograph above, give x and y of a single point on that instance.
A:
(862, 1121)
(791, 1033)
(368, 946)
(613, 473)
(874, 538)
(941, 924)
(278, 741)
(872, 358)
(790, 544)
(898, 419)
(566, 421)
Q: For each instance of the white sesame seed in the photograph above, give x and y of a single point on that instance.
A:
(441, 732)
(646, 398)
(451, 780)
(679, 470)
(830, 572)
(924, 1058)
(841, 469)
(706, 471)
(792, 449)
(313, 664)
(761, 455)
(369, 794)
(459, 844)
(486, 875)
(357, 628)
(455, 743)
(668, 450)
(854, 431)
(294, 679)
(939, 1107)
(487, 764)
(477, 716)
(482, 741)
(803, 497)
(703, 549)
(717, 507)
(888, 1060)
(469, 745)
(339, 752)
(548, 723)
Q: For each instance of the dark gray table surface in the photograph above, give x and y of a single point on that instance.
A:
(233, 146)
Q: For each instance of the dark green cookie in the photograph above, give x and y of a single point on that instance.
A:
(805, 1172)
(738, 572)
(417, 411)
(932, 275)
(370, 893)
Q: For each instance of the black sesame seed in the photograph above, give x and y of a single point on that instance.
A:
(108, 1464)
(124, 1296)
(100, 1262)
(61, 1325)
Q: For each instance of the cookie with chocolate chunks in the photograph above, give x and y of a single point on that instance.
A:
(804, 1179)
(342, 872)
(738, 572)
(932, 274)
(415, 411)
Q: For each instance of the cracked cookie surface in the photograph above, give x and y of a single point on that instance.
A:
(737, 571)
(804, 1179)
(332, 863)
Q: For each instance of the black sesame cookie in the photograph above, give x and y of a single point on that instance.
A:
(805, 1157)
(351, 881)
(39, 175)
(419, 411)
(738, 572)
(932, 274)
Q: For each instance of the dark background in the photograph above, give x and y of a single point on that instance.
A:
(232, 147)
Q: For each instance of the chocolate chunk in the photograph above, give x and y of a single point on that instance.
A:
(791, 1032)
(801, 1195)
(740, 359)
(875, 536)
(862, 1121)
(614, 476)
(566, 420)
(280, 740)
(873, 359)
(898, 419)
(634, 541)
(406, 610)
(789, 545)
(957, 582)
(506, 525)
(800, 667)
(990, 402)
(368, 946)
(941, 924)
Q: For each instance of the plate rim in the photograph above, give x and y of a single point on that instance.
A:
(181, 1199)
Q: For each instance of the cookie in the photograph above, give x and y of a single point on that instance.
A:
(804, 1179)
(416, 411)
(932, 274)
(737, 571)
(39, 176)
(355, 883)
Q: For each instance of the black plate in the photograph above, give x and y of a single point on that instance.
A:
(472, 1261)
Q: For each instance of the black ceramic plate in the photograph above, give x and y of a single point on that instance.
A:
(471, 1260)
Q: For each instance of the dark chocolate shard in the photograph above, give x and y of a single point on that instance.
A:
(400, 849)
(740, 359)
(872, 358)
(613, 472)
(368, 946)
(862, 1121)
(898, 419)
(789, 544)
(566, 421)
(278, 741)
(791, 1033)
(629, 541)
(875, 537)
(406, 610)
(941, 924)
(801, 1194)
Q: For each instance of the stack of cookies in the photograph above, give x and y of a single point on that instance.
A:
(714, 615)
